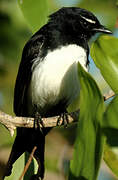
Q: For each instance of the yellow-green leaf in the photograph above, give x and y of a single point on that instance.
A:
(19, 166)
(104, 52)
(111, 158)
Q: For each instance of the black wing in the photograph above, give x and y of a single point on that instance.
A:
(31, 51)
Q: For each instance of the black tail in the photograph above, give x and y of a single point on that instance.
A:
(25, 140)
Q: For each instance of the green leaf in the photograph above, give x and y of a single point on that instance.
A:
(111, 158)
(104, 52)
(89, 140)
(35, 12)
(111, 114)
(110, 128)
(105, 55)
(110, 122)
(19, 166)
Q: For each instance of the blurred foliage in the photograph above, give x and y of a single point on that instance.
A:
(12, 32)
(39, 10)
(117, 3)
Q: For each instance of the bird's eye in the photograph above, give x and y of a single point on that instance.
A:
(85, 25)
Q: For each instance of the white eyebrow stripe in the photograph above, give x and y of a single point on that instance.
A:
(89, 20)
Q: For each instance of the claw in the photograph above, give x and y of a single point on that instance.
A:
(64, 118)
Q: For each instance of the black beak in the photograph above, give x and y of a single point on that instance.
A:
(102, 29)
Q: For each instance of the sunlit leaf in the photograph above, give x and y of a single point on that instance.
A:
(104, 52)
(19, 166)
(111, 158)
(35, 12)
(89, 140)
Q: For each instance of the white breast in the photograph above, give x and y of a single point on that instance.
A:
(56, 78)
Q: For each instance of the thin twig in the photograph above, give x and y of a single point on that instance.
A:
(28, 163)
(109, 96)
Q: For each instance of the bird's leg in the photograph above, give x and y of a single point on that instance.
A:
(38, 121)
(64, 118)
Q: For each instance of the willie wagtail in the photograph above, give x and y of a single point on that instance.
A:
(47, 80)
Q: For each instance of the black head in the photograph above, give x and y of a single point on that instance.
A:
(77, 21)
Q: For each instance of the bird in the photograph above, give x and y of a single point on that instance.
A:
(47, 80)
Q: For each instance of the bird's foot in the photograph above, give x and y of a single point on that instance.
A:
(63, 119)
(38, 122)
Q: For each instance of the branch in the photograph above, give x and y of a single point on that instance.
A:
(12, 122)
(109, 95)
